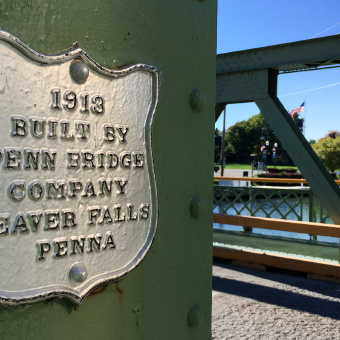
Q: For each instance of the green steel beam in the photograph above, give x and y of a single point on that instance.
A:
(241, 87)
(303, 155)
(168, 296)
(283, 245)
(299, 55)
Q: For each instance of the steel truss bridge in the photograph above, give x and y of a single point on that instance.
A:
(251, 76)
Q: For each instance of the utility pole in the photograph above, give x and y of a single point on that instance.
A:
(223, 144)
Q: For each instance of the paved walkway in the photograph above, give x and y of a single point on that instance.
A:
(233, 172)
(253, 304)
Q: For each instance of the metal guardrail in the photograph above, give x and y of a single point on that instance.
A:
(269, 201)
(314, 268)
(272, 208)
(284, 203)
(312, 228)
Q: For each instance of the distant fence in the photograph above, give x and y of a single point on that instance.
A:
(272, 202)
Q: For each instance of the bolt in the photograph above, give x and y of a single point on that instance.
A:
(197, 99)
(195, 316)
(78, 273)
(196, 206)
(79, 72)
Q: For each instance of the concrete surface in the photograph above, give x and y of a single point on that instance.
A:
(234, 172)
(254, 304)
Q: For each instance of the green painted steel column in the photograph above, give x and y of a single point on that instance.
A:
(168, 296)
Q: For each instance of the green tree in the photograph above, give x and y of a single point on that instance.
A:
(247, 137)
(217, 151)
(237, 145)
(328, 150)
(298, 121)
(333, 134)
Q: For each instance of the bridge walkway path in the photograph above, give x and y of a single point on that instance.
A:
(254, 304)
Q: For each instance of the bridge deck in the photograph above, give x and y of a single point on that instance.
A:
(254, 304)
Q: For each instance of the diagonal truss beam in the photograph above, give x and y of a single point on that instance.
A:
(260, 86)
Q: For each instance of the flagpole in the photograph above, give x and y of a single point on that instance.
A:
(222, 144)
(304, 117)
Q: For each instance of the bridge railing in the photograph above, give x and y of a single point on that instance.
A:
(292, 203)
(295, 222)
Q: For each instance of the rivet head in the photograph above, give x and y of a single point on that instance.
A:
(197, 99)
(78, 273)
(195, 316)
(196, 206)
(79, 71)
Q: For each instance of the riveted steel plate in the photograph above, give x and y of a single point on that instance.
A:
(79, 203)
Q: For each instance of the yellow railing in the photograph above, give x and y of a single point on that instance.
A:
(263, 260)
(311, 228)
(315, 269)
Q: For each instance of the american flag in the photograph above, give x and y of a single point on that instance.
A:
(301, 108)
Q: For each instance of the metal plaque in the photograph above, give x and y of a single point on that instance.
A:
(79, 203)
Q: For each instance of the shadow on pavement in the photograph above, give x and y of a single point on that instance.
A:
(296, 279)
(322, 306)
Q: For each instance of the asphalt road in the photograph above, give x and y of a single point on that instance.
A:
(254, 304)
(232, 172)
(235, 172)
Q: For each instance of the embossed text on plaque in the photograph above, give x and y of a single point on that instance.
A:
(79, 199)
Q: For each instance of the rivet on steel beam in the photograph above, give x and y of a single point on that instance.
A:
(79, 71)
(195, 316)
(197, 99)
(78, 273)
(196, 206)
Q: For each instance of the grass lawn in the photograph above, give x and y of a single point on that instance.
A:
(238, 166)
(284, 167)
(248, 166)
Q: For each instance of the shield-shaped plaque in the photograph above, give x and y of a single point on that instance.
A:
(79, 203)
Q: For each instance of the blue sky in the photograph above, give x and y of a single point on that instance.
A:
(246, 24)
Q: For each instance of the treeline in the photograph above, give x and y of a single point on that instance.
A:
(328, 150)
(252, 140)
